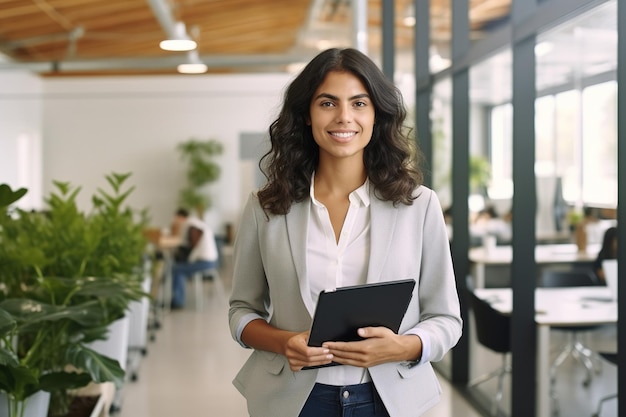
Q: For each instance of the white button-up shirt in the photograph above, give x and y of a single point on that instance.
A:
(333, 263)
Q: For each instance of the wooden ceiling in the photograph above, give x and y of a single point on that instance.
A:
(81, 37)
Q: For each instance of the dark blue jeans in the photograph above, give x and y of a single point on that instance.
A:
(182, 271)
(360, 400)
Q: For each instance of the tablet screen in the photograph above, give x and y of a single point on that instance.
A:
(341, 312)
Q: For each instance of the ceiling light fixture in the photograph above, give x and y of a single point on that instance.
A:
(193, 64)
(543, 48)
(408, 19)
(179, 41)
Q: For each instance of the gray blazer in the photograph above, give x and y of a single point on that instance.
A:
(406, 242)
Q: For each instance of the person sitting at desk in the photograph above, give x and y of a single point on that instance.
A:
(197, 253)
(607, 251)
(489, 223)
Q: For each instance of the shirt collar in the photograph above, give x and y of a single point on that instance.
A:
(360, 196)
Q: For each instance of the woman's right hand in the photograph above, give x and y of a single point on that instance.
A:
(258, 334)
(300, 355)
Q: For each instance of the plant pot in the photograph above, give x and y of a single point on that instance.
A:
(581, 237)
(116, 347)
(107, 393)
(116, 344)
(138, 312)
(34, 406)
(94, 400)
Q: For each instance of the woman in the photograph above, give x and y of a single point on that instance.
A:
(607, 251)
(343, 206)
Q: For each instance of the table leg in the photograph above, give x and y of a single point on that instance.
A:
(543, 370)
(479, 275)
(167, 282)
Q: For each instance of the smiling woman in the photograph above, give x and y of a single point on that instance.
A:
(343, 206)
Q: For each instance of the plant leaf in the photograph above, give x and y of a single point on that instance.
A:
(101, 368)
(18, 380)
(7, 323)
(56, 381)
(30, 313)
(8, 196)
(7, 358)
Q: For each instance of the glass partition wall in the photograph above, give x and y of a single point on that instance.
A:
(441, 125)
(575, 159)
(576, 162)
(576, 118)
(491, 189)
(575, 165)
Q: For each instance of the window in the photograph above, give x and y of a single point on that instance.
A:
(599, 145)
(501, 127)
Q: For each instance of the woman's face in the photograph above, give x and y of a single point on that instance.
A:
(341, 116)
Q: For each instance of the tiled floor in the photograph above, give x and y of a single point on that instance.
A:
(190, 365)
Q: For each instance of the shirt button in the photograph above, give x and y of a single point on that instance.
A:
(346, 394)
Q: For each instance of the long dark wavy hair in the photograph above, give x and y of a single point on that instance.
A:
(607, 251)
(390, 158)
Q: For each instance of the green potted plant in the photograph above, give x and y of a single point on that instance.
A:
(66, 277)
(201, 171)
(43, 346)
(479, 174)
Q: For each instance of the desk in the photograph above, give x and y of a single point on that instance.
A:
(544, 254)
(571, 306)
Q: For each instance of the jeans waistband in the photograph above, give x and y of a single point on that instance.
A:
(348, 394)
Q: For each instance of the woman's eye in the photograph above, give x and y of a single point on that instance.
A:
(327, 104)
(360, 104)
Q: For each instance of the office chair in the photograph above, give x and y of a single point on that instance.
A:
(574, 346)
(493, 330)
(611, 357)
(198, 281)
(199, 277)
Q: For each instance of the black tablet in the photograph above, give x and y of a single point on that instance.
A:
(340, 313)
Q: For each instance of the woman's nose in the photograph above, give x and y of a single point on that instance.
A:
(344, 114)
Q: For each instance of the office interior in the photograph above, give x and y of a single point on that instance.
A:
(535, 99)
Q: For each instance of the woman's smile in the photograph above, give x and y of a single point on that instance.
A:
(342, 136)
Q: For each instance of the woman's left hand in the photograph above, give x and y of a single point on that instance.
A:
(380, 345)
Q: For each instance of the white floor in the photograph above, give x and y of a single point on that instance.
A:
(189, 367)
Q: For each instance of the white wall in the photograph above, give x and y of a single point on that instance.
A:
(95, 126)
(92, 126)
(20, 135)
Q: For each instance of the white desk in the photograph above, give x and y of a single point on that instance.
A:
(544, 254)
(573, 306)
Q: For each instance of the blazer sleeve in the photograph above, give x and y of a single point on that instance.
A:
(440, 317)
(250, 294)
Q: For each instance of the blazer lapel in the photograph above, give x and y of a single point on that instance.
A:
(383, 217)
(297, 226)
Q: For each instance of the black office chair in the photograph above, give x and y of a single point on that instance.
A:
(574, 346)
(611, 357)
(493, 330)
